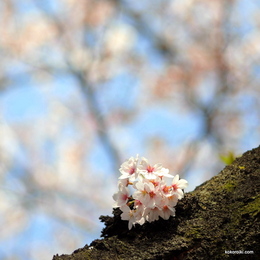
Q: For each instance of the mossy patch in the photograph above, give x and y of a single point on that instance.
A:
(229, 186)
(252, 208)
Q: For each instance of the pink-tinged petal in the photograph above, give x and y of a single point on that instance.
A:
(175, 179)
(180, 194)
(123, 183)
(149, 186)
(121, 197)
(139, 186)
(182, 184)
(172, 200)
(153, 214)
(115, 196)
(130, 224)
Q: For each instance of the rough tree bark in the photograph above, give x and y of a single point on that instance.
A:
(219, 216)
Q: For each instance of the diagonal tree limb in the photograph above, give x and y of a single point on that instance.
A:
(219, 217)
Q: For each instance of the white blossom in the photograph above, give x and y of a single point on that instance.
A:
(121, 197)
(152, 197)
(129, 169)
(179, 185)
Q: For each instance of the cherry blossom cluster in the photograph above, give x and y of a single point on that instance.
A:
(155, 191)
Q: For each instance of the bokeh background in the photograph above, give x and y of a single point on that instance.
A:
(85, 84)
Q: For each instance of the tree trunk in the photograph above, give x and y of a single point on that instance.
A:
(218, 220)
